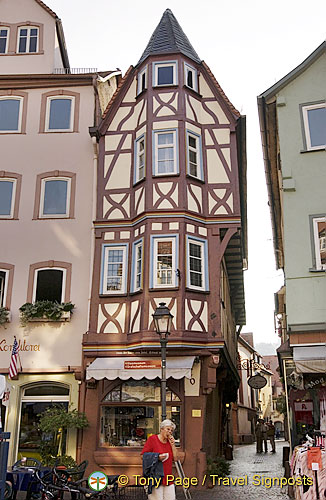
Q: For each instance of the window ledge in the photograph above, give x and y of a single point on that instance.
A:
(141, 94)
(195, 290)
(167, 289)
(322, 148)
(41, 52)
(137, 183)
(65, 317)
(167, 86)
(136, 292)
(107, 295)
(314, 270)
(193, 91)
(161, 176)
(193, 178)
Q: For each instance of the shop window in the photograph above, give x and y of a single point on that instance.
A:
(4, 37)
(28, 39)
(35, 400)
(114, 269)
(131, 412)
(11, 114)
(49, 285)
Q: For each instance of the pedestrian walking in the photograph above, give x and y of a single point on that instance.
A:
(271, 435)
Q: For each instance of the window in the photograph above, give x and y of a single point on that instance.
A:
(314, 120)
(131, 412)
(165, 152)
(319, 234)
(163, 262)
(27, 39)
(114, 269)
(10, 113)
(190, 77)
(142, 81)
(59, 114)
(165, 73)
(7, 197)
(3, 286)
(137, 266)
(4, 37)
(140, 158)
(55, 197)
(197, 264)
(49, 284)
(194, 156)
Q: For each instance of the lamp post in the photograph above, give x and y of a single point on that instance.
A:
(162, 320)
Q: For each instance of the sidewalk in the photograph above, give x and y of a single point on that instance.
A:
(246, 463)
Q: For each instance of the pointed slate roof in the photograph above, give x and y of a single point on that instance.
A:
(169, 38)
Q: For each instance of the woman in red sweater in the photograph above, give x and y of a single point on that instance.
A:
(164, 444)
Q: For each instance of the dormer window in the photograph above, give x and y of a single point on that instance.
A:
(190, 77)
(165, 73)
(27, 39)
(4, 37)
(142, 81)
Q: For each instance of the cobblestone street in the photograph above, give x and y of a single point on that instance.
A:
(247, 463)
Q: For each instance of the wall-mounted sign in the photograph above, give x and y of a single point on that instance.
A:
(22, 346)
(142, 365)
(196, 413)
(257, 382)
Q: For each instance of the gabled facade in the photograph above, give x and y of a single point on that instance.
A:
(46, 213)
(293, 123)
(170, 227)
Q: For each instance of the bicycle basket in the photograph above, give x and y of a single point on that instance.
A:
(132, 492)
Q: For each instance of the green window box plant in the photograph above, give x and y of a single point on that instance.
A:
(45, 310)
(4, 316)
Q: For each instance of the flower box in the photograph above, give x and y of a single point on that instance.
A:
(65, 317)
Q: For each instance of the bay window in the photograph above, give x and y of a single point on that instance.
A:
(164, 260)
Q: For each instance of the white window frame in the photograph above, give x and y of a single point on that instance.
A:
(5, 289)
(174, 144)
(104, 274)
(64, 280)
(7, 38)
(47, 115)
(136, 245)
(157, 65)
(305, 110)
(55, 216)
(137, 158)
(20, 114)
(197, 137)
(155, 240)
(28, 28)
(140, 79)
(204, 262)
(319, 265)
(193, 70)
(13, 197)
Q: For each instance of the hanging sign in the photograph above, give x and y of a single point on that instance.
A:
(257, 381)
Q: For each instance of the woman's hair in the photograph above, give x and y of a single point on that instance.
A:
(167, 423)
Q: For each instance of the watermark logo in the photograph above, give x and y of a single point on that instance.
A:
(97, 481)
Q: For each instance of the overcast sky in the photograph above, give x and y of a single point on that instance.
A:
(249, 45)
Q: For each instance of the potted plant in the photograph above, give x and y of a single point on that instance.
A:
(4, 315)
(45, 310)
(216, 466)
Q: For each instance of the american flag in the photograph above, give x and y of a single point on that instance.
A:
(13, 367)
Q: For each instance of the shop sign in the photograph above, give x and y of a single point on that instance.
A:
(303, 406)
(196, 413)
(22, 346)
(142, 365)
(257, 382)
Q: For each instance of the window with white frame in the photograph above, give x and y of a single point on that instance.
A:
(7, 197)
(314, 120)
(10, 114)
(59, 114)
(140, 158)
(142, 81)
(194, 160)
(197, 264)
(55, 197)
(4, 274)
(137, 272)
(114, 269)
(190, 76)
(49, 284)
(165, 73)
(165, 152)
(4, 37)
(27, 39)
(164, 262)
(319, 232)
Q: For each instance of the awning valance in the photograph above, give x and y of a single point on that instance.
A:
(310, 359)
(139, 367)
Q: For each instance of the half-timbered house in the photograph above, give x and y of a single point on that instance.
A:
(170, 227)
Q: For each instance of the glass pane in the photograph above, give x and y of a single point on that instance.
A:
(9, 114)
(34, 32)
(193, 156)
(2, 287)
(165, 75)
(192, 141)
(189, 78)
(141, 145)
(317, 126)
(47, 390)
(140, 390)
(165, 154)
(49, 285)
(55, 197)
(195, 264)
(60, 112)
(322, 242)
(23, 32)
(31, 437)
(3, 42)
(3, 33)
(165, 138)
(33, 44)
(115, 255)
(195, 279)
(6, 189)
(193, 169)
(195, 250)
(164, 247)
(22, 42)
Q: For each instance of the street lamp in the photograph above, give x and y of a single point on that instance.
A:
(162, 322)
